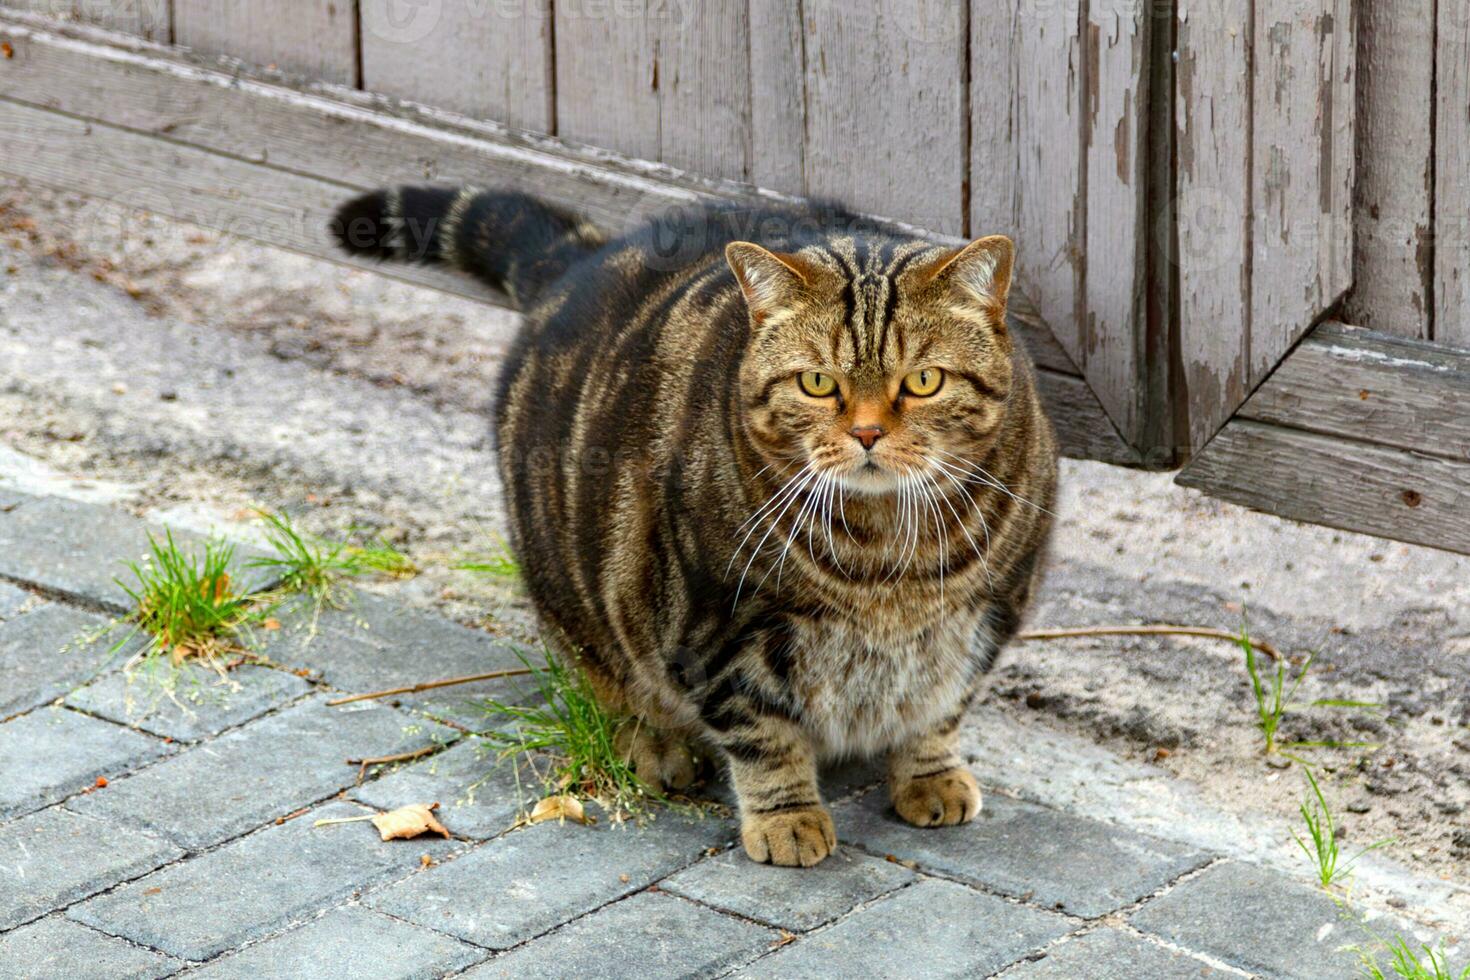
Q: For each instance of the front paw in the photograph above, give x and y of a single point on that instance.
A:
(941, 800)
(799, 837)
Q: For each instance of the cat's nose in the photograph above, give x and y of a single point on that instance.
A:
(866, 434)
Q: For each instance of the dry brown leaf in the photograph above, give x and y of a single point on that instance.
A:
(409, 821)
(560, 808)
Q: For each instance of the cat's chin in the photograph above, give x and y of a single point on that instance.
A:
(871, 480)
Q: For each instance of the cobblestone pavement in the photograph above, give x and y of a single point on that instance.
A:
(146, 835)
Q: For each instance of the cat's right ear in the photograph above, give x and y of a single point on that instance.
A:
(771, 281)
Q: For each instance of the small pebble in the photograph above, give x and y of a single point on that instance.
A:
(119, 389)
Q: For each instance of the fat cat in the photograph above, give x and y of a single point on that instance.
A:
(779, 481)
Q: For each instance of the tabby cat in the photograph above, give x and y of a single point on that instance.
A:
(779, 481)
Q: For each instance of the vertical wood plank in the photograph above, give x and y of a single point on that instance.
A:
(1114, 124)
(484, 58)
(607, 77)
(314, 38)
(1050, 227)
(704, 85)
(1303, 107)
(1212, 208)
(777, 96)
(884, 108)
(1452, 177)
(992, 118)
(1392, 253)
(145, 18)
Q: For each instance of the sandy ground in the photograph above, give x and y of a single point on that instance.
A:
(192, 376)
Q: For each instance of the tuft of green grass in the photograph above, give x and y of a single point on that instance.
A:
(500, 563)
(1406, 964)
(574, 735)
(187, 604)
(1276, 696)
(316, 567)
(1324, 852)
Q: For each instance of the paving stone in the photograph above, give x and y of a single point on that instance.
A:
(48, 652)
(254, 886)
(52, 753)
(55, 857)
(1257, 920)
(1050, 858)
(267, 769)
(478, 796)
(81, 549)
(347, 944)
(1108, 954)
(59, 949)
(523, 884)
(190, 702)
(647, 935)
(931, 929)
(797, 899)
(12, 598)
(375, 643)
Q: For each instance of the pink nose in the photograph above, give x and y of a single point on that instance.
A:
(866, 434)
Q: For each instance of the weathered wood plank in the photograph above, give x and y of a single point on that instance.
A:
(1303, 109)
(1051, 203)
(313, 38)
(1114, 123)
(1452, 176)
(1212, 208)
(777, 97)
(704, 86)
(1394, 493)
(993, 136)
(258, 202)
(145, 18)
(607, 77)
(486, 59)
(884, 119)
(1393, 247)
(1374, 387)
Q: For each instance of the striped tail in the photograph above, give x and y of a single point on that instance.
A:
(507, 239)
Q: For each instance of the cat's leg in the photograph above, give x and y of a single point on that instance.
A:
(928, 781)
(662, 759)
(774, 769)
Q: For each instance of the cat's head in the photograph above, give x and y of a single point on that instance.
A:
(874, 360)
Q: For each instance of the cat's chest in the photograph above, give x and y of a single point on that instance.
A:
(862, 688)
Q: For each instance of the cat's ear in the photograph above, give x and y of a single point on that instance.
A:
(981, 269)
(771, 281)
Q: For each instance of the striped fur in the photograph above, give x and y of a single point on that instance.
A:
(712, 545)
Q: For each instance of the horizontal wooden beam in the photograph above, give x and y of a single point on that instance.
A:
(145, 129)
(1358, 430)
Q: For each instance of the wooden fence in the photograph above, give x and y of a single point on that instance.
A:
(1192, 184)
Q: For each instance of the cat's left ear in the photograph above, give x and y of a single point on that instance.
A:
(982, 269)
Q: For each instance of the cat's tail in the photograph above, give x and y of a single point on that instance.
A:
(512, 241)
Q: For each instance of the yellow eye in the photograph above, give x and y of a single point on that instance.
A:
(923, 382)
(817, 384)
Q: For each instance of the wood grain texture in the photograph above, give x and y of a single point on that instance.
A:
(1114, 124)
(1321, 479)
(777, 97)
(145, 18)
(1051, 202)
(993, 136)
(884, 109)
(1212, 208)
(1392, 253)
(486, 59)
(704, 85)
(607, 78)
(1452, 177)
(311, 38)
(1374, 387)
(1302, 170)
